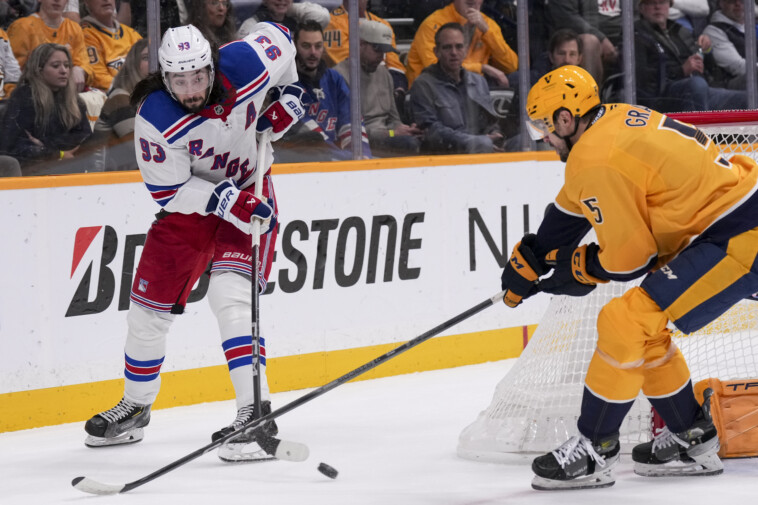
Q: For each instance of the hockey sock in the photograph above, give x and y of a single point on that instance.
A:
(229, 295)
(144, 351)
(599, 418)
(678, 409)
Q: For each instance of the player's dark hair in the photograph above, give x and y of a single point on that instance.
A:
(562, 36)
(446, 26)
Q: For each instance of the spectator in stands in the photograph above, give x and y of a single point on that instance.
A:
(564, 48)
(452, 105)
(583, 17)
(10, 71)
(49, 25)
(11, 10)
(727, 33)
(115, 126)
(664, 44)
(214, 18)
(134, 13)
(386, 132)
(692, 14)
(108, 41)
(286, 13)
(336, 39)
(45, 119)
(325, 129)
(485, 49)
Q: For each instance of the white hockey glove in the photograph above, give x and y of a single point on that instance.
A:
(240, 207)
(284, 112)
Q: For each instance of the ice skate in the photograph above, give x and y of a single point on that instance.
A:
(688, 453)
(248, 447)
(577, 464)
(120, 425)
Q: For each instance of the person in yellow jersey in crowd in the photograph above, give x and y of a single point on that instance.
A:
(664, 203)
(487, 53)
(108, 41)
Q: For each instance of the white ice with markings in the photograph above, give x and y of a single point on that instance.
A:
(392, 440)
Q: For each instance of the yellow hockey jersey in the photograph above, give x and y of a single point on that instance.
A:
(649, 185)
(28, 32)
(336, 39)
(107, 49)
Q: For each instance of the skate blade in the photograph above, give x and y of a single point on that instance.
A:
(243, 453)
(129, 437)
(604, 479)
(701, 467)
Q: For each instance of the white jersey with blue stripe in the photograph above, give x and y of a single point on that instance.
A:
(183, 156)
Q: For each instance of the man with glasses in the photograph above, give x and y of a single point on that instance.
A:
(452, 105)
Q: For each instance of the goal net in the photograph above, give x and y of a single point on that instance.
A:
(536, 405)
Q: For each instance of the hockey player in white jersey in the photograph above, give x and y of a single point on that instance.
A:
(195, 139)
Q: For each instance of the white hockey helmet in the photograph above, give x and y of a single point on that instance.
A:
(184, 49)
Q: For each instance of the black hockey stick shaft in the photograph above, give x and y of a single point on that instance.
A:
(256, 423)
(260, 168)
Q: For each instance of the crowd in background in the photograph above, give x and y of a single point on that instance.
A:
(439, 77)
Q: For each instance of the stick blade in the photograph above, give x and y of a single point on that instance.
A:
(292, 451)
(91, 486)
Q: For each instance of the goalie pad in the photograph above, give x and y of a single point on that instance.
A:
(734, 406)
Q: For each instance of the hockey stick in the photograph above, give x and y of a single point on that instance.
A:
(92, 486)
(255, 276)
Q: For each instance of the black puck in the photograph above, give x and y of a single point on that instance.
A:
(327, 470)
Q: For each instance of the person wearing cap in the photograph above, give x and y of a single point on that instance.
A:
(380, 114)
(486, 51)
(452, 105)
(670, 69)
(336, 42)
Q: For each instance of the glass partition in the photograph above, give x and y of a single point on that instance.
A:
(459, 90)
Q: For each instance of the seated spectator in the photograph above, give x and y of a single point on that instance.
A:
(727, 33)
(45, 119)
(134, 13)
(336, 39)
(485, 49)
(386, 132)
(10, 72)
(564, 48)
(451, 104)
(692, 14)
(682, 85)
(325, 129)
(214, 18)
(286, 13)
(108, 41)
(115, 126)
(11, 10)
(583, 17)
(49, 25)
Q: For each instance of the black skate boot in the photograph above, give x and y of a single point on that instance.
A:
(690, 452)
(120, 425)
(244, 415)
(259, 445)
(577, 464)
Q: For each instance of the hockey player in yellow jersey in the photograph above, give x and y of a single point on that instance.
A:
(664, 203)
(107, 40)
